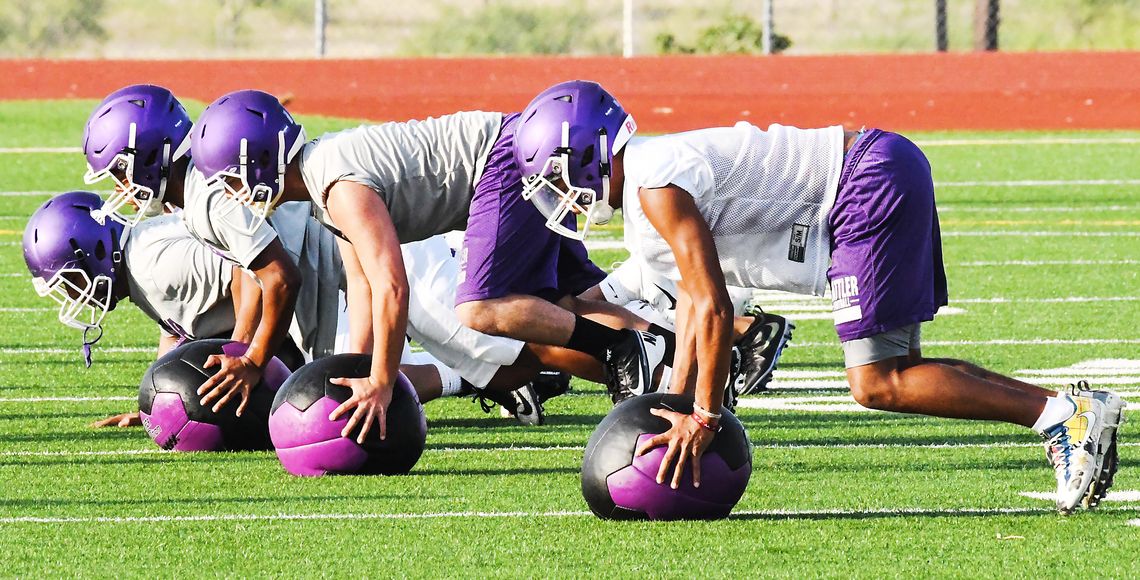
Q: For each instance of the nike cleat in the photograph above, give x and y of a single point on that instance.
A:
(1072, 448)
(630, 364)
(730, 393)
(521, 403)
(1107, 459)
(760, 348)
(550, 384)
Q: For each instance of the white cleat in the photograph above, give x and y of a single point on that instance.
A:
(1072, 447)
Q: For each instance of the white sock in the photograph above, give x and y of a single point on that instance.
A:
(1057, 410)
(450, 380)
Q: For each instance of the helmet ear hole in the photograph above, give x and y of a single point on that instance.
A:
(100, 250)
(587, 155)
(150, 159)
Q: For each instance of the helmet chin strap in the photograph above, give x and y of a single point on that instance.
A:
(87, 344)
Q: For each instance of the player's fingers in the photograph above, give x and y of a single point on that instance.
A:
(212, 361)
(125, 421)
(679, 470)
(368, 418)
(226, 397)
(666, 461)
(696, 468)
(382, 419)
(342, 381)
(243, 403)
(354, 421)
(344, 407)
(655, 441)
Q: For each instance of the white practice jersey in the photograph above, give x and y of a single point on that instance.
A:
(424, 171)
(176, 281)
(764, 194)
(232, 231)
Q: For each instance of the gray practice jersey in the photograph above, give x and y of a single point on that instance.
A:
(424, 171)
(176, 281)
(230, 229)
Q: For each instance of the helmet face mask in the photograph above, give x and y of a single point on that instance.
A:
(555, 195)
(260, 198)
(83, 301)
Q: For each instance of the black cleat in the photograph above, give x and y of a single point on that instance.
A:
(522, 404)
(550, 384)
(760, 349)
(629, 364)
(730, 394)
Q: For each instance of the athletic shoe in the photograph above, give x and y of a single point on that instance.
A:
(760, 348)
(550, 384)
(1107, 459)
(521, 403)
(1072, 446)
(630, 363)
(547, 385)
(734, 375)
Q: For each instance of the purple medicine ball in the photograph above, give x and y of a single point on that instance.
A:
(309, 444)
(172, 412)
(619, 486)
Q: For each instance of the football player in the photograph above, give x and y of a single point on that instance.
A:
(138, 138)
(377, 186)
(795, 210)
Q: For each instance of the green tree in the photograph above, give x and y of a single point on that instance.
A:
(736, 34)
(506, 28)
(37, 28)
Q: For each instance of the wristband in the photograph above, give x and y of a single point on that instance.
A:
(698, 409)
(704, 424)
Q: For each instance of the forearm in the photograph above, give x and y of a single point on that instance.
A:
(685, 358)
(247, 306)
(278, 299)
(712, 319)
(389, 326)
(359, 298)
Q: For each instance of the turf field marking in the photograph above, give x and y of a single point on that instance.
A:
(64, 399)
(1038, 234)
(1130, 496)
(775, 514)
(579, 448)
(1036, 182)
(1048, 263)
(1028, 141)
(111, 349)
(6, 309)
(23, 150)
(996, 342)
(1003, 209)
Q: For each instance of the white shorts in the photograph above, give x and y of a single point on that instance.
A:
(432, 277)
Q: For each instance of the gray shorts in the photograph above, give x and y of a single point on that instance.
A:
(890, 344)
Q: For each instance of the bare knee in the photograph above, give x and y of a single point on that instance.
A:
(875, 388)
(478, 315)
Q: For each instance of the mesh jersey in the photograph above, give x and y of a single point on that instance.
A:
(176, 281)
(765, 196)
(424, 171)
(226, 228)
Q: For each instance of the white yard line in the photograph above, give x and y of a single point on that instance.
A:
(1039, 234)
(1115, 496)
(1004, 209)
(1036, 182)
(110, 349)
(1007, 263)
(1028, 141)
(65, 399)
(23, 150)
(774, 513)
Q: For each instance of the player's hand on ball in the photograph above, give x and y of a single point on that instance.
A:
(120, 420)
(686, 439)
(237, 376)
(370, 398)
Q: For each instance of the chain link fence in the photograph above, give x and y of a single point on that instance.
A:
(367, 28)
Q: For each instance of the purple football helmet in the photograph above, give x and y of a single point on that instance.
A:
(244, 141)
(74, 257)
(133, 137)
(565, 142)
